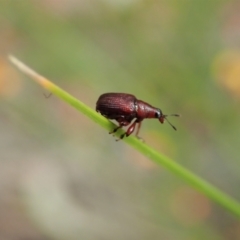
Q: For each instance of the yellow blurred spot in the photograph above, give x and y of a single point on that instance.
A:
(226, 70)
(189, 207)
(10, 83)
(45, 83)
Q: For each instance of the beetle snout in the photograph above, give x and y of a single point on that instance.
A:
(161, 119)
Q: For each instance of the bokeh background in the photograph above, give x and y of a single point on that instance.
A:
(61, 175)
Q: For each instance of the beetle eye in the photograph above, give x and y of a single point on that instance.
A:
(158, 114)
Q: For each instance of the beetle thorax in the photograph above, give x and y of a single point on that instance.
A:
(145, 110)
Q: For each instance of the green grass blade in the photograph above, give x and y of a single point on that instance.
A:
(200, 184)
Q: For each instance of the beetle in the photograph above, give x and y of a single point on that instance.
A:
(124, 107)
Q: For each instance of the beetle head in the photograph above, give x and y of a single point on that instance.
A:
(162, 117)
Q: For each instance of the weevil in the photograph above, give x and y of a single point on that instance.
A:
(124, 107)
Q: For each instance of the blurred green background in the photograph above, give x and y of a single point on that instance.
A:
(61, 175)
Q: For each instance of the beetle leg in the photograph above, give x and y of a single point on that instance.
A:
(115, 129)
(122, 122)
(138, 128)
(130, 130)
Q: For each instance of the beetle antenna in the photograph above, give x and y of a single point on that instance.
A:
(175, 115)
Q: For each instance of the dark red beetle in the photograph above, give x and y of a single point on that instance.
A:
(124, 107)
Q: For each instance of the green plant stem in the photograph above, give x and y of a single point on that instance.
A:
(201, 185)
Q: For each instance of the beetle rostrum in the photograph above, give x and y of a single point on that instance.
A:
(124, 108)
